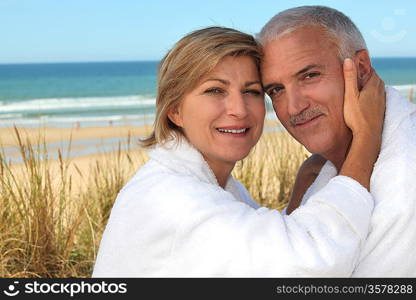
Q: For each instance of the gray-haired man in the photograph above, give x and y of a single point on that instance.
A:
(302, 73)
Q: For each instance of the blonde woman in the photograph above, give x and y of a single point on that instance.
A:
(184, 215)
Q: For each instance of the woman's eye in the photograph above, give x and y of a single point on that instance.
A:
(253, 92)
(213, 91)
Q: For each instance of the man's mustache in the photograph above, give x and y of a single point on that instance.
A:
(305, 115)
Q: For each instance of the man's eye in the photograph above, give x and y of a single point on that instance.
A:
(311, 75)
(273, 92)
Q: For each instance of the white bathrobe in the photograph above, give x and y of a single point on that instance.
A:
(172, 219)
(390, 250)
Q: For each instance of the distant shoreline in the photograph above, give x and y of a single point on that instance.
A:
(83, 141)
(145, 61)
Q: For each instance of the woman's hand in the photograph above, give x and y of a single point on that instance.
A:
(364, 115)
(363, 110)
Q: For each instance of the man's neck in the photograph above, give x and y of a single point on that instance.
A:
(338, 155)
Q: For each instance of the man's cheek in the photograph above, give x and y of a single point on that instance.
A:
(280, 114)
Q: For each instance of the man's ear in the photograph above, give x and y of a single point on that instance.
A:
(175, 116)
(363, 63)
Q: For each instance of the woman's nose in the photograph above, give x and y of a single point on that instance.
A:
(236, 105)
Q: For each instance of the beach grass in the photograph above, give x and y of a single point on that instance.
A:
(53, 213)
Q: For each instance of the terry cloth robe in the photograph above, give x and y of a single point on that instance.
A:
(390, 249)
(172, 219)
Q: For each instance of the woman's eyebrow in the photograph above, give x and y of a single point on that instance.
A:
(252, 82)
(223, 81)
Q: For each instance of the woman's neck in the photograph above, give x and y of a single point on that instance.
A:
(221, 170)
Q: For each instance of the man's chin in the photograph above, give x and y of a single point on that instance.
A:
(315, 147)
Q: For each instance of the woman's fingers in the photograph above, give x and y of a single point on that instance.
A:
(351, 94)
(350, 78)
(374, 91)
(364, 109)
(374, 81)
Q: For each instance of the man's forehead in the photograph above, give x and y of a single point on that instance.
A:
(301, 42)
(289, 59)
(300, 34)
(292, 67)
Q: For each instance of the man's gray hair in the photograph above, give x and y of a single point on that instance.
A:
(335, 24)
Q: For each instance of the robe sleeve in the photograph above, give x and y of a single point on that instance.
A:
(323, 238)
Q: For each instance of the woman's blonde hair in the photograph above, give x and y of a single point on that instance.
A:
(180, 71)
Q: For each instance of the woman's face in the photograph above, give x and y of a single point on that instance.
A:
(223, 116)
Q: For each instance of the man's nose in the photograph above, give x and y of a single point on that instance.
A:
(236, 105)
(297, 102)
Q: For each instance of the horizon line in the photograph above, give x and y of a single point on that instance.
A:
(130, 61)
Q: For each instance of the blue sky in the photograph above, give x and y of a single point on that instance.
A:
(120, 30)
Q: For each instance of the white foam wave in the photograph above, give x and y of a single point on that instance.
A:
(271, 115)
(69, 121)
(405, 88)
(408, 91)
(78, 103)
(10, 116)
(72, 119)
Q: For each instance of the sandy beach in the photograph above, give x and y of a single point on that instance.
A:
(88, 146)
(53, 134)
(95, 138)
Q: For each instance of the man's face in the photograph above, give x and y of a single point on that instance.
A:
(303, 76)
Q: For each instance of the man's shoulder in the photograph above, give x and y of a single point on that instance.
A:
(402, 141)
(394, 173)
(399, 134)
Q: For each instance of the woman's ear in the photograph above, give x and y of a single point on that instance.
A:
(363, 62)
(175, 116)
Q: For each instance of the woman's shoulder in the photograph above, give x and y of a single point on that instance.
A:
(244, 195)
(154, 184)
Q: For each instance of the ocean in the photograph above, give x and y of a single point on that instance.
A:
(113, 93)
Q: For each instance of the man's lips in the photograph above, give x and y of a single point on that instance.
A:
(305, 116)
(306, 121)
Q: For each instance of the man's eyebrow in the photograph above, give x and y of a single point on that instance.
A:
(307, 68)
(271, 85)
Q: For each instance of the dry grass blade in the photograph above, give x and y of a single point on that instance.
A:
(51, 228)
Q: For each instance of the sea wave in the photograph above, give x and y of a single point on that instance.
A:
(93, 103)
(81, 119)
(10, 116)
(405, 88)
(408, 91)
